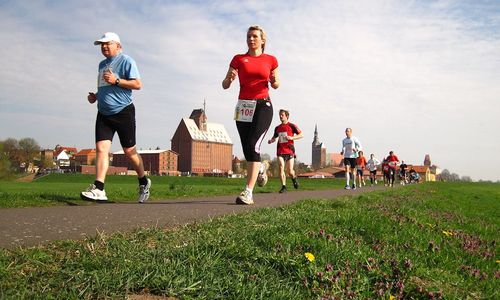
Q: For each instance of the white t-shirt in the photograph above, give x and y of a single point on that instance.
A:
(350, 147)
(372, 164)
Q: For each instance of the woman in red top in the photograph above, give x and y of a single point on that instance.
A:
(254, 111)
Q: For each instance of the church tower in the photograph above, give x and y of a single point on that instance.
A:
(427, 160)
(318, 152)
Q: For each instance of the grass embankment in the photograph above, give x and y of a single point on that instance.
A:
(61, 189)
(423, 241)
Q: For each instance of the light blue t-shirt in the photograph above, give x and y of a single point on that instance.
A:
(112, 98)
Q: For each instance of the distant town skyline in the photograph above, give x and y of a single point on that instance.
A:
(415, 77)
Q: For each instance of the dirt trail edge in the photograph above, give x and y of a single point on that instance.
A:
(24, 227)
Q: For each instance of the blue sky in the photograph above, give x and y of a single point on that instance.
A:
(416, 77)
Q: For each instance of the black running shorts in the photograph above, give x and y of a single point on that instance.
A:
(123, 123)
(349, 161)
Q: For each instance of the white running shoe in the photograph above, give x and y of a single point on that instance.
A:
(92, 193)
(144, 191)
(244, 198)
(262, 177)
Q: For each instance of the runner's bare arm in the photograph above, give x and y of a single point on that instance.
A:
(230, 76)
(274, 79)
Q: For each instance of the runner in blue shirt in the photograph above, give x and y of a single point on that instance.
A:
(118, 76)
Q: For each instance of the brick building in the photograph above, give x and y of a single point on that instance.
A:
(156, 162)
(203, 147)
(85, 157)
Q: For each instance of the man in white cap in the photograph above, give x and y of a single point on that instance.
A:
(118, 76)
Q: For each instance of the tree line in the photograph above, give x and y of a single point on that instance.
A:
(16, 156)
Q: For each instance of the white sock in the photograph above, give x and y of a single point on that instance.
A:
(347, 175)
(249, 190)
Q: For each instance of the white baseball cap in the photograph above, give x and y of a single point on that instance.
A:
(108, 37)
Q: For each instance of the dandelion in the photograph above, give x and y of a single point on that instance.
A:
(391, 297)
(447, 233)
(309, 256)
(498, 261)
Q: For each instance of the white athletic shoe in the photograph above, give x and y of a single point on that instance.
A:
(244, 198)
(94, 194)
(262, 177)
(144, 191)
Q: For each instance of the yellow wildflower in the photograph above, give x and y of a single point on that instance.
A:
(309, 256)
(391, 297)
(447, 233)
(498, 261)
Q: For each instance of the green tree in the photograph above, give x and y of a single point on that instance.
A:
(28, 150)
(4, 162)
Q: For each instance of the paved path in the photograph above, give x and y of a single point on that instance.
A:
(38, 225)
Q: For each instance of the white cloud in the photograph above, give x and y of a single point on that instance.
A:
(413, 77)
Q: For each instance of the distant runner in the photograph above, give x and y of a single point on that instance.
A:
(360, 166)
(392, 161)
(350, 147)
(286, 133)
(372, 165)
(402, 173)
(385, 172)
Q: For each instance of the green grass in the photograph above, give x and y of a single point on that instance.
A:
(61, 189)
(424, 241)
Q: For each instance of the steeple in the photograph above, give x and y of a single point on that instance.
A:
(316, 138)
(427, 160)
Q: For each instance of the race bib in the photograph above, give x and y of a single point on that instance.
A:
(282, 137)
(245, 110)
(392, 163)
(100, 77)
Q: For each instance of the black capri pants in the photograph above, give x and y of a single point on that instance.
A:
(252, 133)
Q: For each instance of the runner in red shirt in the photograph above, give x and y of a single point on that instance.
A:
(360, 167)
(254, 111)
(392, 161)
(286, 133)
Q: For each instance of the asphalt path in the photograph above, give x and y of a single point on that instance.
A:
(25, 227)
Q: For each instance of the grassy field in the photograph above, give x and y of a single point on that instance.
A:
(61, 189)
(427, 241)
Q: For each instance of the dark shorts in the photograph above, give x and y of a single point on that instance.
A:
(350, 162)
(287, 157)
(122, 123)
(373, 172)
(359, 172)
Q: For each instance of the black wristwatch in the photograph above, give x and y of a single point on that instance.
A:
(117, 81)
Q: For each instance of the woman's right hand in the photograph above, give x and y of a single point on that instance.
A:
(230, 76)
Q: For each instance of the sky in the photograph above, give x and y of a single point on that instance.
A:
(415, 77)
